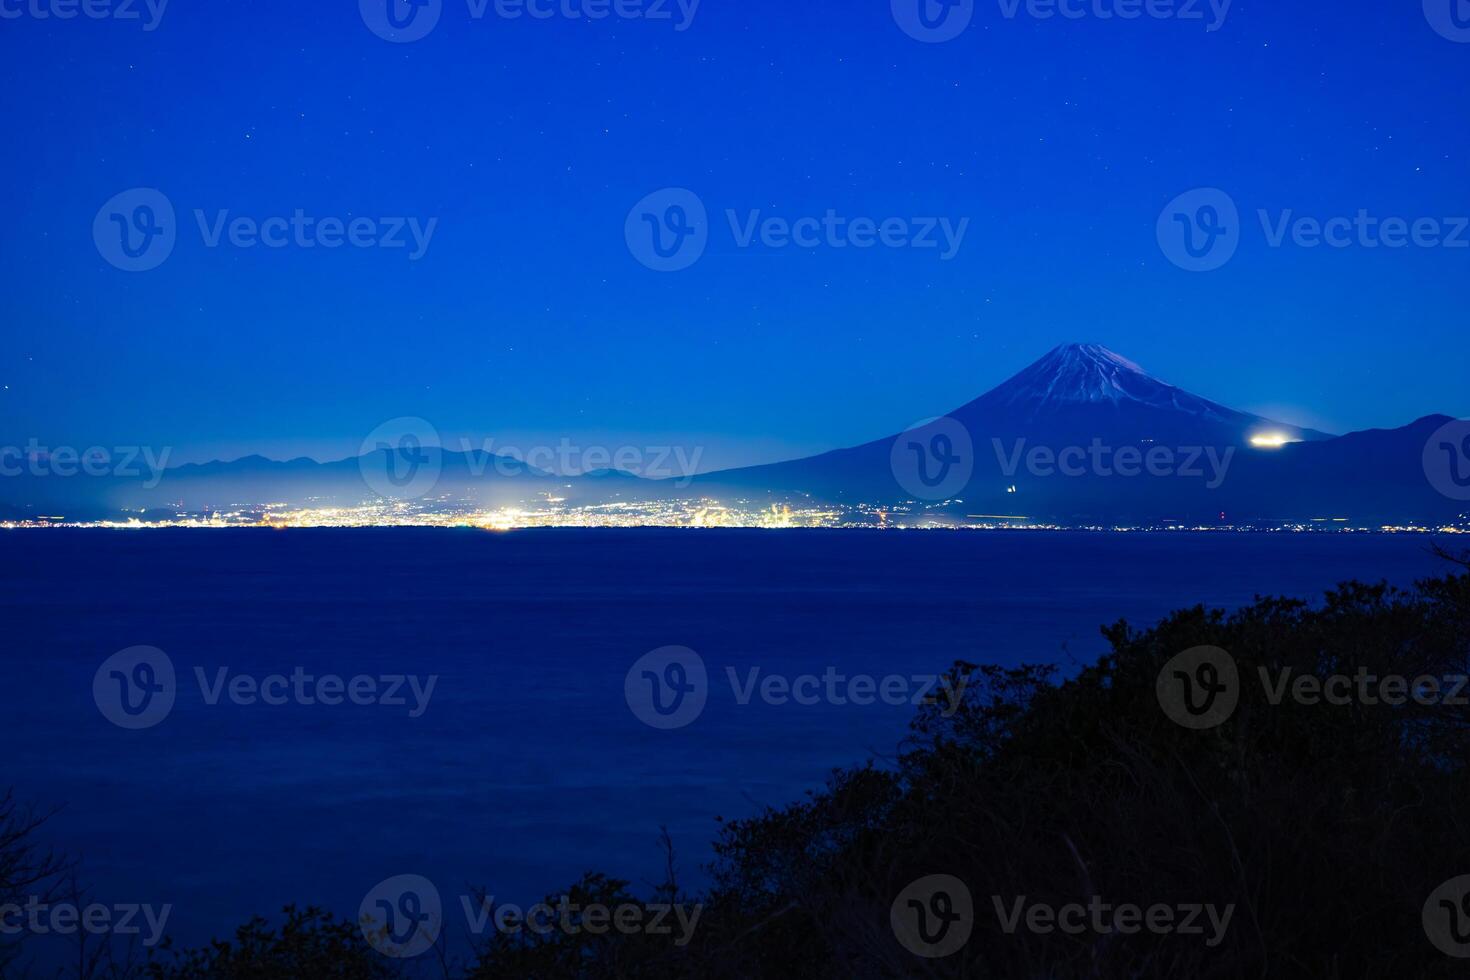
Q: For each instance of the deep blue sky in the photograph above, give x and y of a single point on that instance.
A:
(528, 318)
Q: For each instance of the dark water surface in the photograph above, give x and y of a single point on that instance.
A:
(527, 768)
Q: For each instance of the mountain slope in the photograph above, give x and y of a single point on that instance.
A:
(1085, 389)
(1084, 435)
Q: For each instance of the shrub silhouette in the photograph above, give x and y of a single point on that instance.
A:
(1325, 826)
(310, 943)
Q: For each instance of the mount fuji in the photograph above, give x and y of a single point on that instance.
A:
(1096, 408)
(1084, 390)
(1081, 437)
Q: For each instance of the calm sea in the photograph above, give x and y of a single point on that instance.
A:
(527, 766)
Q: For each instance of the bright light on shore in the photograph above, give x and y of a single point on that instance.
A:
(1270, 440)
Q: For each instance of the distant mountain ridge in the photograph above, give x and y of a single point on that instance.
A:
(1076, 376)
(1081, 396)
(1081, 436)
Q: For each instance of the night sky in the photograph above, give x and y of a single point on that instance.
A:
(528, 317)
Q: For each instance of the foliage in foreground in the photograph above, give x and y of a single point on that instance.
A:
(1325, 826)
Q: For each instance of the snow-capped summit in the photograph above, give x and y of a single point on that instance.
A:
(1081, 372)
(1092, 373)
(1087, 437)
(1087, 388)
